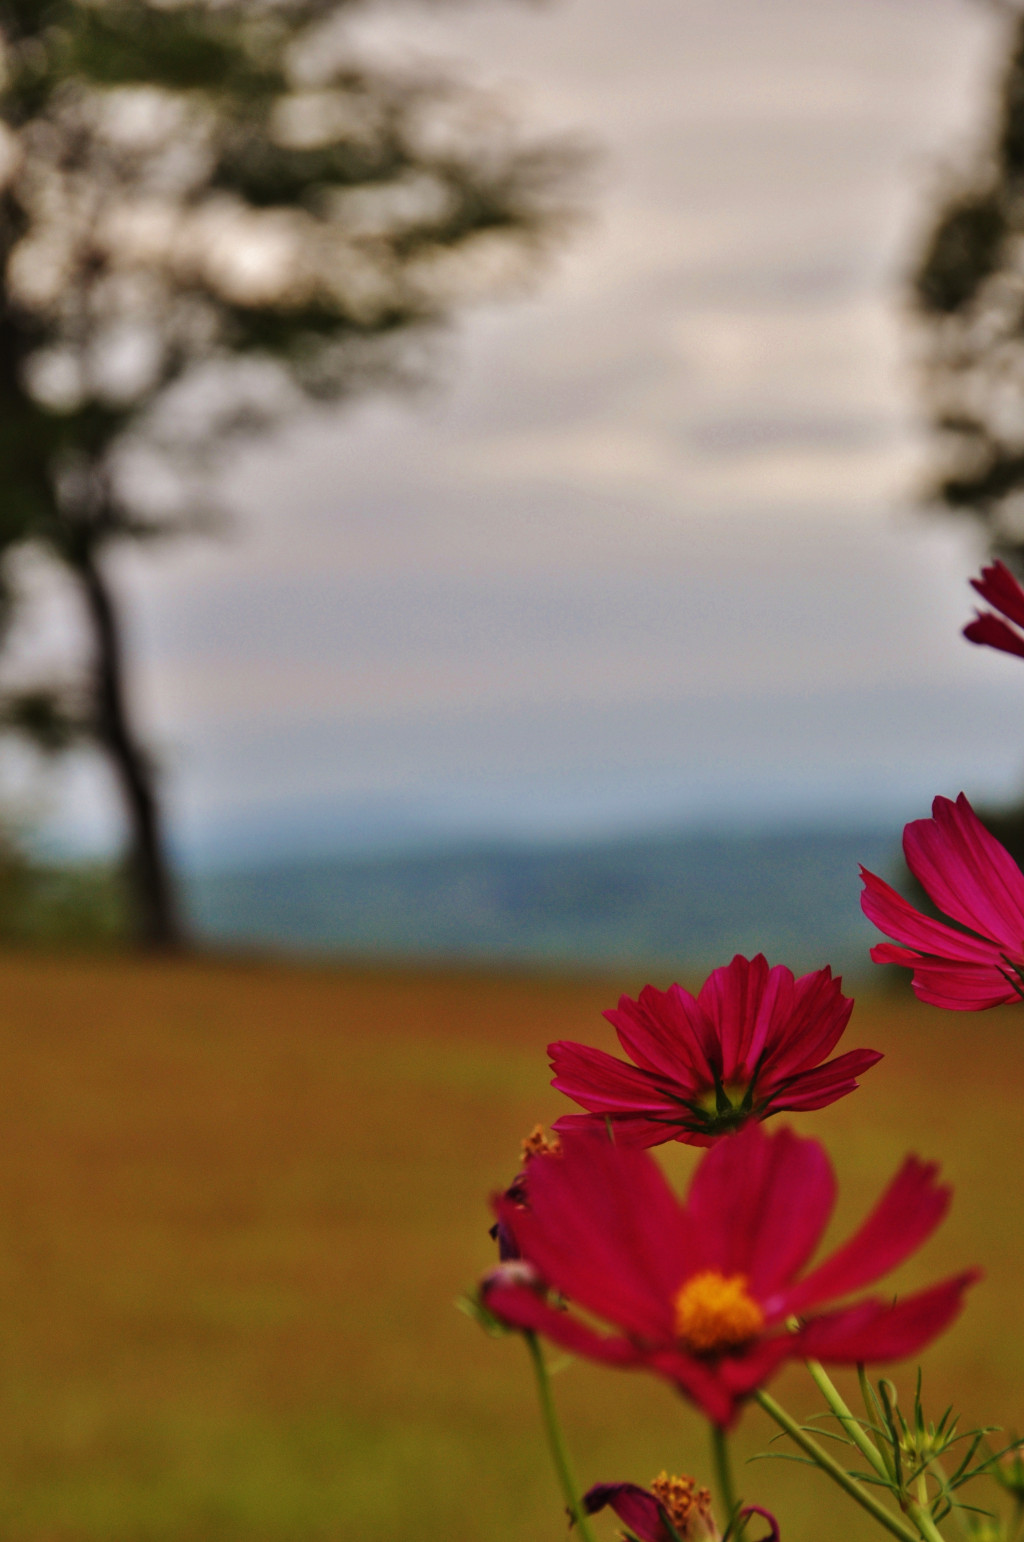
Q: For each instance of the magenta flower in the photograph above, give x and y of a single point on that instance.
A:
(998, 586)
(711, 1294)
(751, 1044)
(970, 876)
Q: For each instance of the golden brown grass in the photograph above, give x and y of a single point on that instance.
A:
(237, 1203)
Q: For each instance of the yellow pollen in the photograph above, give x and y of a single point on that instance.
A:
(715, 1312)
(539, 1144)
(686, 1504)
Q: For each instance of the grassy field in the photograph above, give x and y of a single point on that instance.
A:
(237, 1203)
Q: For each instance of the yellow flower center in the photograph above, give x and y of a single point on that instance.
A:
(716, 1311)
(734, 1092)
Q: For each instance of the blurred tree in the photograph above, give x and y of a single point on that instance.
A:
(968, 290)
(968, 293)
(210, 212)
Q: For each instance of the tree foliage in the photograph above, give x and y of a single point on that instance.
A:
(212, 211)
(968, 291)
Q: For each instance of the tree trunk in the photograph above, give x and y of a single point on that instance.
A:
(156, 917)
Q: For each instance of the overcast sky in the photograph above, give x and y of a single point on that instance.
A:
(650, 556)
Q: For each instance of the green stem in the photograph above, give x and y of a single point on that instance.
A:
(723, 1472)
(892, 1465)
(921, 1514)
(829, 1465)
(850, 1423)
(556, 1444)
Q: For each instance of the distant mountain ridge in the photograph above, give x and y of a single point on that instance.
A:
(675, 903)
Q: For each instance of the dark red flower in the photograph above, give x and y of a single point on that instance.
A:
(648, 1517)
(971, 877)
(653, 1513)
(998, 586)
(670, 1505)
(749, 1045)
(710, 1294)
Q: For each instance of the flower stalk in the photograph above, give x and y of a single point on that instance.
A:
(821, 1458)
(722, 1468)
(921, 1515)
(556, 1441)
(918, 1509)
(849, 1421)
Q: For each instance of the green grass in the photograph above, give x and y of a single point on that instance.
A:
(237, 1203)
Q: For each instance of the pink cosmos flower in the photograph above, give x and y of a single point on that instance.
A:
(998, 586)
(749, 1045)
(971, 877)
(712, 1293)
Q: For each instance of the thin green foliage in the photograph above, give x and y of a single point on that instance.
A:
(915, 1450)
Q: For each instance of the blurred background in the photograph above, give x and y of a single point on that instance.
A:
(489, 492)
(593, 563)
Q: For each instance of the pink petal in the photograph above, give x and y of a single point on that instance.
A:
(998, 586)
(880, 1330)
(606, 1085)
(967, 872)
(667, 1033)
(957, 987)
(907, 1214)
(700, 1381)
(964, 987)
(818, 1015)
(517, 1306)
(739, 1000)
(773, 1014)
(721, 1387)
(643, 1130)
(990, 632)
(889, 953)
(743, 1373)
(892, 914)
(758, 1205)
(823, 1085)
(604, 1228)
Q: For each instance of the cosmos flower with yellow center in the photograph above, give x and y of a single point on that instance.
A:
(714, 1293)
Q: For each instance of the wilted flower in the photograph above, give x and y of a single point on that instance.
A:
(709, 1294)
(653, 1513)
(749, 1045)
(971, 877)
(670, 1505)
(998, 586)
